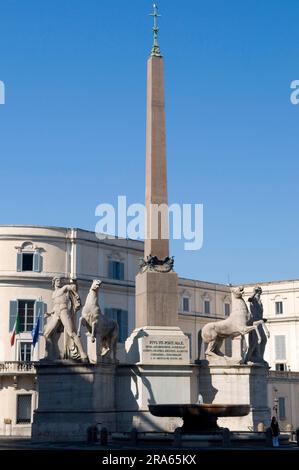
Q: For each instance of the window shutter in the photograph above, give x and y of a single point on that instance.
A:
(110, 269)
(37, 261)
(114, 314)
(185, 304)
(111, 313)
(39, 309)
(279, 308)
(19, 262)
(228, 347)
(123, 325)
(107, 312)
(280, 347)
(121, 271)
(226, 309)
(13, 309)
(207, 308)
(190, 344)
(42, 318)
(281, 407)
(121, 317)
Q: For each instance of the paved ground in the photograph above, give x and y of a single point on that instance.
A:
(14, 443)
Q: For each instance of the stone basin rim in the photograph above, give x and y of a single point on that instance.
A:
(179, 410)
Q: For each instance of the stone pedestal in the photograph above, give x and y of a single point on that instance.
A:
(156, 299)
(141, 385)
(237, 384)
(73, 397)
(158, 371)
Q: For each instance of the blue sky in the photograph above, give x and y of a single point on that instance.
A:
(72, 131)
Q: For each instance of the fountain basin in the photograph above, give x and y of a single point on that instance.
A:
(199, 418)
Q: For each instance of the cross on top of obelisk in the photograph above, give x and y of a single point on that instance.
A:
(155, 49)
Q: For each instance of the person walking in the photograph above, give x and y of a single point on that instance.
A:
(275, 431)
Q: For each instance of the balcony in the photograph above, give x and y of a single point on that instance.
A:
(17, 368)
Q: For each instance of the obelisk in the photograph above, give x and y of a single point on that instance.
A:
(156, 283)
(156, 168)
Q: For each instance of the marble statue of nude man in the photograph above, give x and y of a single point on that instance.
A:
(62, 315)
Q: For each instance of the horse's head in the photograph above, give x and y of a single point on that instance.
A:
(96, 285)
(238, 292)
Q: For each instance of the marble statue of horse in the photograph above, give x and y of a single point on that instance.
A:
(236, 324)
(99, 326)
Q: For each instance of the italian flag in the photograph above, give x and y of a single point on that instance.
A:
(15, 331)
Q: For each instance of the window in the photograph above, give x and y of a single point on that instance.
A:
(190, 344)
(202, 346)
(26, 315)
(279, 308)
(116, 270)
(27, 262)
(24, 409)
(25, 351)
(228, 347)
(186, 307)
(121, 316)
(281, 408)
(226, 309)
(28, 310)
(280, 347)
(206, 307)
(280, 367)
(30, 261)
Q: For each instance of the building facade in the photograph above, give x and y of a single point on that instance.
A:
(30, 256)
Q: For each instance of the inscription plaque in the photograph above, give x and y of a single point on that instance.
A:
(168, 350)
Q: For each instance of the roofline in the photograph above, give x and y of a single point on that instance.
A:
(249, 284)
(189, 279)
(66, 229)
(257, 283)
(54, 227)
